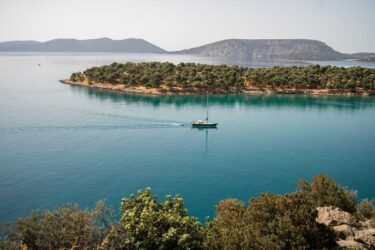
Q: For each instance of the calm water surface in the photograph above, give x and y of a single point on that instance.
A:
(62, 144)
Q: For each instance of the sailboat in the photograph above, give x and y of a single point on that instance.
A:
(204, 123)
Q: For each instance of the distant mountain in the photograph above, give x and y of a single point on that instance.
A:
(74, 45)
(260, 49)
(236, 49)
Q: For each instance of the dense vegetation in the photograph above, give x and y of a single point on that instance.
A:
(229, 78)
(269, 221)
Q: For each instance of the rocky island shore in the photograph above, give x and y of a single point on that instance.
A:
(165, 90)
(189, 78)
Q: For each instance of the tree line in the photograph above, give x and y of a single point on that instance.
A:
(269, 221)
(229, 78)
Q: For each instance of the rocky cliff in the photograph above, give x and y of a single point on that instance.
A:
(351, 233)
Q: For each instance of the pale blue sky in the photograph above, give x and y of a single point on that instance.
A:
(346, 25)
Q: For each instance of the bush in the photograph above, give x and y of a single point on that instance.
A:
(147, 224)
(227, 230)
(67, 227)
(325, 191)
(270, 222)
(365, 209)
(287, 222)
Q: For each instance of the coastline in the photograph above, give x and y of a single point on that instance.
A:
(163, 90)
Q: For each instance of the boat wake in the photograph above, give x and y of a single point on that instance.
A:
(54, 129)
(61, 114)
(177, 124)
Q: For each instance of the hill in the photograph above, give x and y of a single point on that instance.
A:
(90, 45)
(260, 49)
(235, 49)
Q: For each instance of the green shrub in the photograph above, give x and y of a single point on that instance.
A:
(365, 209)
(270, 222)
(325, 191)
(287, 222)
(228, 229)
(67, 227)
(148, 224)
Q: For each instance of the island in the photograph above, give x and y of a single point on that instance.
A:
(191, 78)
(368, 59)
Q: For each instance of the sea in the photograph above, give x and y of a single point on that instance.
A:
(63, 144)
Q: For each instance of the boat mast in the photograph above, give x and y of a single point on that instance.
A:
(207, 106)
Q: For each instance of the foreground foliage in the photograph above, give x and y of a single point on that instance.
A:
(67, 227)
(269, 221)
(366, 210)
(325, 191)
(229, 78)
(147, 224)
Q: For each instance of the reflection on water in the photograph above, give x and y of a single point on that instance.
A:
(278, 101)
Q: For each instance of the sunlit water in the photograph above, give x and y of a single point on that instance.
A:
(62, 144)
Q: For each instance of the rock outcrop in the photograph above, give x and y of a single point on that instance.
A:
(350, 232)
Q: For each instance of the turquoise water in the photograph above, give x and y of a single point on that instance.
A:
(62, 144)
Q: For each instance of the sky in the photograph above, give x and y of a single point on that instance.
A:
(346, 25)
